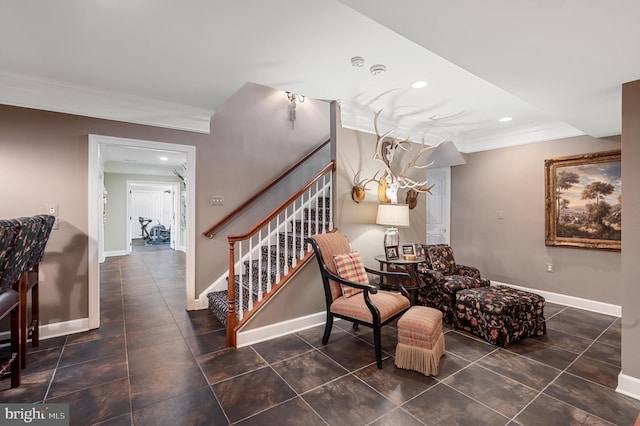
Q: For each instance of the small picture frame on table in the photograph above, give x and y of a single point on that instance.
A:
(391, 252)
(408, 252)
(421, 251)
(408, 249)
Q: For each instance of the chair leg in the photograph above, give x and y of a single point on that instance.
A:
(23, 320)
(327, 329)
(35, 315)
(378, 346)
(15, 347)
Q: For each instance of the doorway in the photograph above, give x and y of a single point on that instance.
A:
(97, 195)
(154, 211)
(439, 206)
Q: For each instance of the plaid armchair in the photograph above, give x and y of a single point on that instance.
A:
(443, 277)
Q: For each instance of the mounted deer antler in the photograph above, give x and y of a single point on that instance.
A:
(404, 181)
(384, 154)
(385, 149)
(359, 187)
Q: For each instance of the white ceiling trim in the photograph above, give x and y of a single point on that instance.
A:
(476, 141)
(51, 95)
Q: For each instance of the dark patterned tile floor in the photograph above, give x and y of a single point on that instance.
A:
(151, 363)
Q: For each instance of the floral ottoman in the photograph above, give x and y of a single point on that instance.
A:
(500, 314)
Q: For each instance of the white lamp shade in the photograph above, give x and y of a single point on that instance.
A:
(393, 215)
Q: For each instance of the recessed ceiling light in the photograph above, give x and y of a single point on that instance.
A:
(505, 119)
(164, 158)
(419, 84)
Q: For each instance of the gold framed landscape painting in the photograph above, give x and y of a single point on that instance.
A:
(583, 201)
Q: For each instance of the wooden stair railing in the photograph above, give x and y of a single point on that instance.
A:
(306, 212)
(210, 233)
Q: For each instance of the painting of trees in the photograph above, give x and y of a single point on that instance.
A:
(584, 201)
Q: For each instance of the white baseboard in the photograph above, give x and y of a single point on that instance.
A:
(575, 302)
(202, 302)
(629, 386)
(256, 335)
(116, 253)
(63, 328)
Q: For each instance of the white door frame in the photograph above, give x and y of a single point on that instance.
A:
(96, 218)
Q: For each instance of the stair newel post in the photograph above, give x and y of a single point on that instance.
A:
(232, 319)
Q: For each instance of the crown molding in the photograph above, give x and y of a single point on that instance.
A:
(58, 96)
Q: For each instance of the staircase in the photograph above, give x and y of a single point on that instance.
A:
(273, 258)
(265, 258)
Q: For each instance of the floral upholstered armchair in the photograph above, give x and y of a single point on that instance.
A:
(443, 277)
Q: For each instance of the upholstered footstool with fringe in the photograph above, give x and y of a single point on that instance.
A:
(420, 340)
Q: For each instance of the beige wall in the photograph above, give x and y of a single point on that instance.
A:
(631, 229)
(302, 296)
(354, 151)
(512, 250)
(43, 160)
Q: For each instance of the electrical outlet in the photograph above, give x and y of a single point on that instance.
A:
(549, 267)
(52, 209)
(500, 214)
(217, 200)
(56, 223)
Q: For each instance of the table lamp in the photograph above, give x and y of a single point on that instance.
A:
(393, 216)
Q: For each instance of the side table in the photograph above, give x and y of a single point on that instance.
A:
(410, 266)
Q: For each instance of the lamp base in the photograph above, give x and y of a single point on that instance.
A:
(391, 237)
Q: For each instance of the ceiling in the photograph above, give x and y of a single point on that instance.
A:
(555, 67)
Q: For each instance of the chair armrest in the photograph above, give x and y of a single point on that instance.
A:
(469, 271)
(430, 277)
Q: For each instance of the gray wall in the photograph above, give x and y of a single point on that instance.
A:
(44, 160)
(512, 250)
(630, 295)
